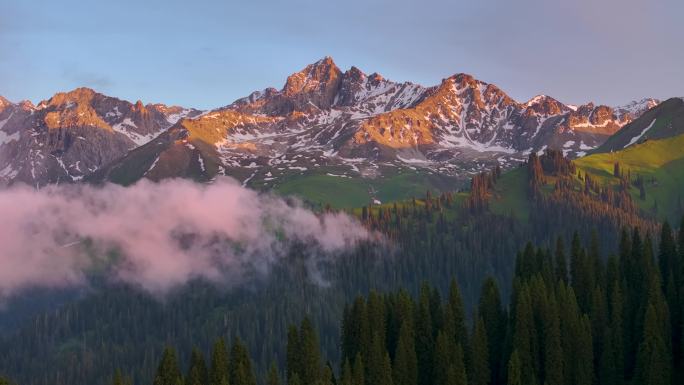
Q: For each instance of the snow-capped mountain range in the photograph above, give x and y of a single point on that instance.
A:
(324, 120)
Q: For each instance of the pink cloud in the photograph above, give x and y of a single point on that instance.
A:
(166, 233)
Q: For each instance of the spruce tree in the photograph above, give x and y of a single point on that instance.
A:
(599, 321)
(168, 372)
(607, 373)
(385, 371)
(273, 378)
(240, 365)
(310, 355)
(668, 260)
(459, 368)
(494, 317)
(454, 323)
(218, 372)
(443, 367)
(480, 373)
(405, 368)
(523, 335)
(359, 371)
(561, 262)
(617, 357)
(346, 375)
(118, 379)
(376, 315)
(424, 339)
(515, 376)
(197, 372)
(375, 361)
(584, 354)
(293, 357)
(553, 352)
(653, 362)
(294, 380)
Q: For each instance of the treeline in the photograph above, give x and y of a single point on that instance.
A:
(575, 318)
(432, 239)
(571, 197)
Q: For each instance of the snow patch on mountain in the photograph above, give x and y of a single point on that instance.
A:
(636, 138)
(127, 126)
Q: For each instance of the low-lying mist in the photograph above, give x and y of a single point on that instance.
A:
(157, 236)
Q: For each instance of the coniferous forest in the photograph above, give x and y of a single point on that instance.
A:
(587, 290)
(574, 316)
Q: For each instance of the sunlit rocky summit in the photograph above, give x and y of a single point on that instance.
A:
(323, 120)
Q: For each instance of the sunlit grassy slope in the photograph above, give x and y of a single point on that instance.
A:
(660, 162)
(510, 195)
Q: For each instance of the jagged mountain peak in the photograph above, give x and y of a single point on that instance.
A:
(354, 74)
(4, 102)
(26, 105)
(635, 108)
(77, 95)
(320, 74)
(546, 105)
(321, 116)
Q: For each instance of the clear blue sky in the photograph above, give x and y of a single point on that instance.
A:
(206, 53)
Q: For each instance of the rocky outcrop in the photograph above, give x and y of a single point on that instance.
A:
(74, 133)
(348, 122)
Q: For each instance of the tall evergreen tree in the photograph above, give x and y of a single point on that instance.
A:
(405, 368)
(444, 373)
(523, 335)
(424, 338)
(584, 354)
(553, 352)
(310, 355)
(480, 373)
(385, 371)
(218, 371)
(653, 362)
(561, 261)
(459, 368)
(273, 378)
(118, 379)
(494, 317)
(197, 372)
(240, 365)
(515, 375)
(293, 358)
(617, 354)
(346, 375)
(168, 372)
(375, 362)
(356, 335)
(359, 371)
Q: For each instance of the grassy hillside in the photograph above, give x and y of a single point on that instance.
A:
(510, 195)
(343, 192)
(659, 162)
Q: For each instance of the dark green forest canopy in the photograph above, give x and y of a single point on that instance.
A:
(437, 237)
(573, 318)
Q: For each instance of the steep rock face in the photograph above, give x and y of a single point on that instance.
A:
(73, 134)
(322, 120)
(352, 123)
(313, 88)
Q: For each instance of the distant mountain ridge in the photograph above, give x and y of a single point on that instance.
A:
(322, 120)
(663, 121)
(72, 134)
